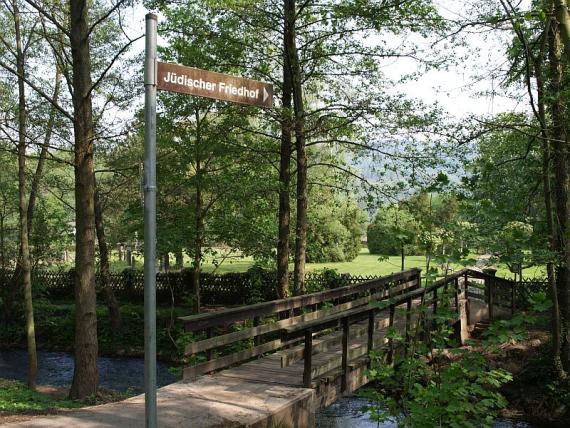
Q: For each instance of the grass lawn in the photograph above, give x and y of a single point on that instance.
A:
(17, 400)
(364, 264)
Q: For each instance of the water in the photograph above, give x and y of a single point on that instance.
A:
(122, 374)
(56, 368)
(347, 413)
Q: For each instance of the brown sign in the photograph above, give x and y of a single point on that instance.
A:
(193, 81)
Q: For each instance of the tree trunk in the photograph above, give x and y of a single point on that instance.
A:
(105, 272)
(285, 174)
(301, 224)
(2, 247)
(563, 17)
(85, 374)
(179, 259)
(547, 191)
(403, 256)
(561, 191)
(199, 222)
(166, 259)
(24, 262)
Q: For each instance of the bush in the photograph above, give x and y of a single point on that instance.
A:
(379, 241)
(334, 233)
(393, 228)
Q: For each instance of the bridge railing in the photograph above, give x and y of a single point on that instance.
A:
(461, 283)
(263, 323)
(271, 326)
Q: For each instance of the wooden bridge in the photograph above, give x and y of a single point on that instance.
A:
(321, 341)
(277, 362)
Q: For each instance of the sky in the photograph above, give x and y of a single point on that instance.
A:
(458, 89)
(453, 89)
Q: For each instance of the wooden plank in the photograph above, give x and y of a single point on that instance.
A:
(218, 363)
(261, 376)
(214, 342)
(328, 342)
(307, 359)
(203, 321)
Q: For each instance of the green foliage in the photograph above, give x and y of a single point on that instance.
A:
(257, 284)
(426, 387)
(335, 229)
(393, 228)
(52, 317)
(323, 279)
(15, 397)
(508, 331)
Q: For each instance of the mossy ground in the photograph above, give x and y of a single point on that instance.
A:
(18, 402)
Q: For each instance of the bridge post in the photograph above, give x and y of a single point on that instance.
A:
(513, 298)
(308, 359)
(371, 326)
(490, 291)
(433, 323)
(390, 340)
(344, 362)
(209, 334)
(467, 308)
(408, 323)
(456, 284)
(256, 339)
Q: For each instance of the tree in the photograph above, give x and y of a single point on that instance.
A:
(68, 34)
(335, 228)
(394, 231)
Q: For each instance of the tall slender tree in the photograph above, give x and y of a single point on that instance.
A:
(24, 259)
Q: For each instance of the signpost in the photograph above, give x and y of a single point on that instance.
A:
(203, 83)
(191, 81)
(150, 222)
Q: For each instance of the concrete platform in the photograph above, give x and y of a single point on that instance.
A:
(211, 401)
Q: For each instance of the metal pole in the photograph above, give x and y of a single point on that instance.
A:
(150, 223)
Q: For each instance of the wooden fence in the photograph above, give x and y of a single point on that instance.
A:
(216, 289)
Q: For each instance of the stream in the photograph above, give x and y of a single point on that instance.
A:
(56, 368)
(122, 374)
(347, 413)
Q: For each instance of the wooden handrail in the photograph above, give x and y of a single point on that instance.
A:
(213, 319)
(294, 329)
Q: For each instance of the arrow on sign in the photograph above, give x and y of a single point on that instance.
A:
(265, 94)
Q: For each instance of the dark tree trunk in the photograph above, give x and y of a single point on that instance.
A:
(285, 174)
(2, 247)
(24, 261)
(561, 191)
(548, 210)
(199, 222)
(85, 375)
(166, 258)
(403, 256)
(105, 277)
(179, 260)
(299, 107)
